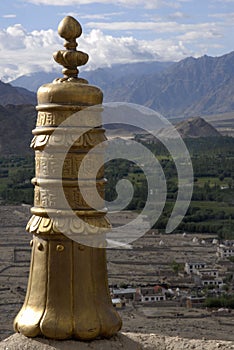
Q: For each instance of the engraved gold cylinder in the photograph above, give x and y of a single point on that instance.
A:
(68, 294)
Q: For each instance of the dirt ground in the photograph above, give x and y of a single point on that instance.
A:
(126, 341)
(149, 261)
(193, 324)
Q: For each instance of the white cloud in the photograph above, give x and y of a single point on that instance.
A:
(223, 16)
(178, 15)
(101, 15)
(105, 50)
(9, 16)
(224, 1)
(150, 4)
(12, 38)
(24, 52)
(194, 35)
(203, 47)
(157, 26)
(98, 16)
(169, 50)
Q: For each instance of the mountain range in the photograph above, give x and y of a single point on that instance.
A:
(102, 77)
(16, 124)
(191, 128)
(15, 95)
(191, 87)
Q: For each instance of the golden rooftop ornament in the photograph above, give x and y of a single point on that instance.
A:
(68, 294)
(70, 29)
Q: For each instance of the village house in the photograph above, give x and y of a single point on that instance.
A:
(124, 293)
(225, 250)
(212, 281)
(208, 272)
(194, 301)
(229, 242)
(204, 280)
(152, 298)
(205, 277)
(151, 294)
(193, 267)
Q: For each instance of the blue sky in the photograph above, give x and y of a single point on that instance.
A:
(114, 31)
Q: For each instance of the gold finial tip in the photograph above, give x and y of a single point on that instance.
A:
(69, 28)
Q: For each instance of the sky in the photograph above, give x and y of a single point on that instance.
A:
(114, 31)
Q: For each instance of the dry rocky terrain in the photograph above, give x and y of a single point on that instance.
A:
(126, 341)
(148, 262)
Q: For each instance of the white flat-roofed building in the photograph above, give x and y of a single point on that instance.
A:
(194, 300)
(225, 251)
(193, 267)
(127, 293)
(208, 272)
(152, 298)
(209, 281)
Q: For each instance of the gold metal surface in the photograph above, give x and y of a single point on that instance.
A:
(60, 248)
(67, 294)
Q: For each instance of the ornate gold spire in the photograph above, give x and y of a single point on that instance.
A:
(68, 294)
(70, 29)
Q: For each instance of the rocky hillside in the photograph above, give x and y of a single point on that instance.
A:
(16, 123)
(15, 95)
(196, 127)
(103, 77)
(188, 128)
(191, 87)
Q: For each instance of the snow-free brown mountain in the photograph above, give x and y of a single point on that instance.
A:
(15, 95)
(16, 124)
(196, 127)
(103, 77)
(191, 87)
